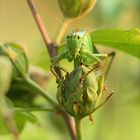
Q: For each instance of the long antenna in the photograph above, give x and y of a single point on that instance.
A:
(80, 13)
(52, 14)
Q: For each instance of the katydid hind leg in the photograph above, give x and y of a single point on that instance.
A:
(85, 75)
(104, 102)
(111, 57)
(94, 57)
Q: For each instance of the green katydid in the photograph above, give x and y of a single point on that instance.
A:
(80, 88)
(80, 91)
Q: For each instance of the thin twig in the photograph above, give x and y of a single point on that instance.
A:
(50, 45)
(52, 49)
(7, 115)
(34, 109)
(39, 22)
(78, 128)
(70, 124)
(11, 124)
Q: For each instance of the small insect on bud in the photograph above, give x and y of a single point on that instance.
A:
(74, 8)
(5, 75)
(17, 55)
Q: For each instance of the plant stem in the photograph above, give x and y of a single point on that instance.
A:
(32, 109)
(37, 89)
(39, 21)
(70, 124)
(51, 46)
(78, 128)
(62, 30)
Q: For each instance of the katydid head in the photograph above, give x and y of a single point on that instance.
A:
(78, 40)
(74, 42)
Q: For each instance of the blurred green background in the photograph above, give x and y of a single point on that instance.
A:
(119, 119)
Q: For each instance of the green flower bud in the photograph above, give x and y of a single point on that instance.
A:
(74, 8)
(79, 95)
(17, 55)
(5, 75)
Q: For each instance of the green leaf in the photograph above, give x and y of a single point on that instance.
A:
(21, 95)
(127, 41)
(20, 119)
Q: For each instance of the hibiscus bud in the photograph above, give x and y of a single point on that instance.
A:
(74, 8)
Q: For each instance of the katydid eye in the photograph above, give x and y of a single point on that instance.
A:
(78, 37)
(68, 36)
